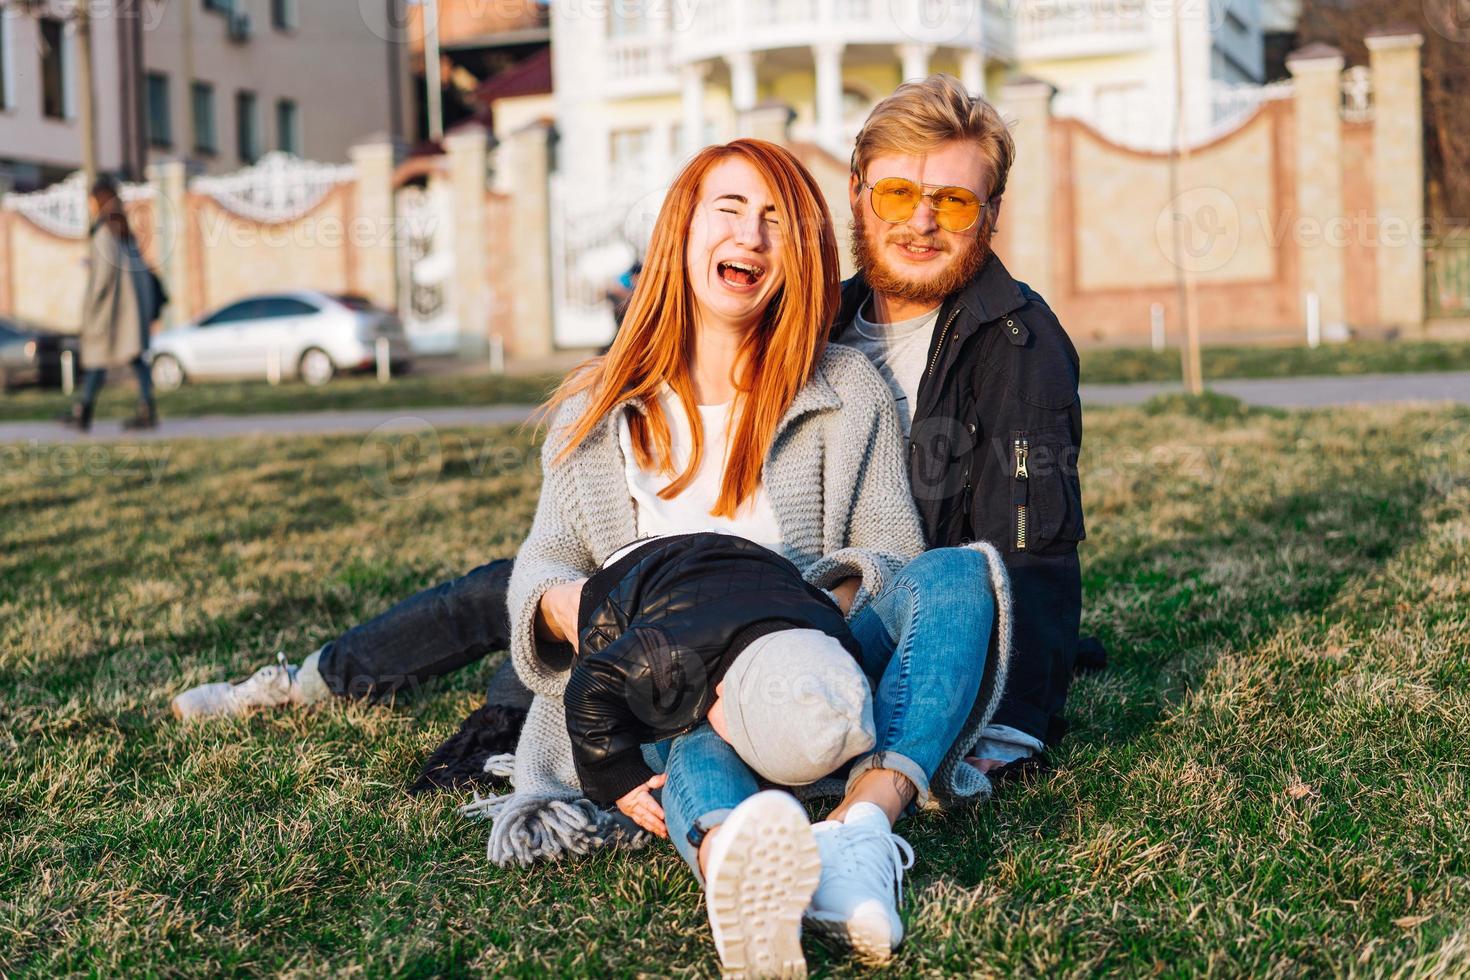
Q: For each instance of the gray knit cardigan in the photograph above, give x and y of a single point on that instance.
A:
(836, 481)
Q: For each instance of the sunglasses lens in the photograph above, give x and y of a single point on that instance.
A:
(895, 199)
(955, 209)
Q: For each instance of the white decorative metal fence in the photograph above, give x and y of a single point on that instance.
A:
(426, 266)
(278, 188)
(590, 250)
(61, 208)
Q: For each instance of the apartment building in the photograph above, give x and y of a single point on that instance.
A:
(218, 82)
(639, 84)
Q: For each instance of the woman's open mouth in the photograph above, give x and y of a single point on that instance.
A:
(740, 275)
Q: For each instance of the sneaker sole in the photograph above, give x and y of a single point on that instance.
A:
(765, 882)
(184, 707)
(869, 947)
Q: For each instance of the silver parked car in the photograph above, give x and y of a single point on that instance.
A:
(304, 333)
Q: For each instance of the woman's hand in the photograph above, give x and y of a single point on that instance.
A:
(640, 805)
(556, 616)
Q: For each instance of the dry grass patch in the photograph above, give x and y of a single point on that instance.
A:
(1269, 778)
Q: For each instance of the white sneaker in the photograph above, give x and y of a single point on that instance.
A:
(268, 687)
(762, 869)
(863, 862)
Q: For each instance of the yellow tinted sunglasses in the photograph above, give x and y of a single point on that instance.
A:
(895, 199)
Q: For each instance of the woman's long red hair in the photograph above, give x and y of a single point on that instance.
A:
(655, 345)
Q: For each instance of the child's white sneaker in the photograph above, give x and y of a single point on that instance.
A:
(268, 687)
(762, 869)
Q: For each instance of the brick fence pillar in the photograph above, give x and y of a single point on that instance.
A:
(370, 232)
(1398, 177)
(170, 181)
(468, 152)
(1028, 197)
(1317, 70)
(525, 160)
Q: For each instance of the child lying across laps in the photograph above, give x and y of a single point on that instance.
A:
(676, 630)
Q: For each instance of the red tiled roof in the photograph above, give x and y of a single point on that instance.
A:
(530, 77)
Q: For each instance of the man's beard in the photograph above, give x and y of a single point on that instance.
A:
(883, 278)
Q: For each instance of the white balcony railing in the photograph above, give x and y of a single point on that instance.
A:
(1070, 28)
(637, 60)
(707, 29)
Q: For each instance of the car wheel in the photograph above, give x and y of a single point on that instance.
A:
(316, 367)
(168, 373)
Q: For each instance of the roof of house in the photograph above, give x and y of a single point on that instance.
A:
(529, 77)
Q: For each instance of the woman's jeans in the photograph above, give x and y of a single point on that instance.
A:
(924, 644)
(96, 377)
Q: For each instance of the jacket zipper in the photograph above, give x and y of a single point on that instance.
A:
(1019, 495)
(943, 336)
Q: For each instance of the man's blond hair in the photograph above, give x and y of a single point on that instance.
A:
(921, 116)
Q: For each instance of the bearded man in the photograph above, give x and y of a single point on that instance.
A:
(984, 377)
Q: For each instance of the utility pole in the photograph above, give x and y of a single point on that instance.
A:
(431, 70)
(186, 33)
(86, 98)
(1189, 353)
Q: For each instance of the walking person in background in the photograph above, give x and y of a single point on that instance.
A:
(123, 298)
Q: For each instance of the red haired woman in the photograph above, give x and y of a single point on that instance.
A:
(719, 406)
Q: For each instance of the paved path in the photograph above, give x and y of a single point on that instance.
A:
(1361, 389)
(313, 423)
(1278, 392)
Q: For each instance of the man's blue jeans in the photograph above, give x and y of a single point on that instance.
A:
(924, 644)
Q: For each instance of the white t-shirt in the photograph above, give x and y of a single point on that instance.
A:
(899, 351)
(690, 510)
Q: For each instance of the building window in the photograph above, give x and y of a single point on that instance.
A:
(160, 123)
(247, 126)
(206, 138)
(288, 126)
(56, 70)
(220, 6)
(630, 150)
(283, 15)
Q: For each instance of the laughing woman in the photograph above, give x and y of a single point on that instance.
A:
(719, 406)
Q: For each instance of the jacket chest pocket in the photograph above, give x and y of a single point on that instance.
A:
(1046, 495)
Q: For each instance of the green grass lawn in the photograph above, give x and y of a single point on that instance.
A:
(1099, 366)
(1271, 777)
(119, 399)
(1122, 364)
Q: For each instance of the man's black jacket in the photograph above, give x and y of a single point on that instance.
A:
(997, 428)
(658, 628)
